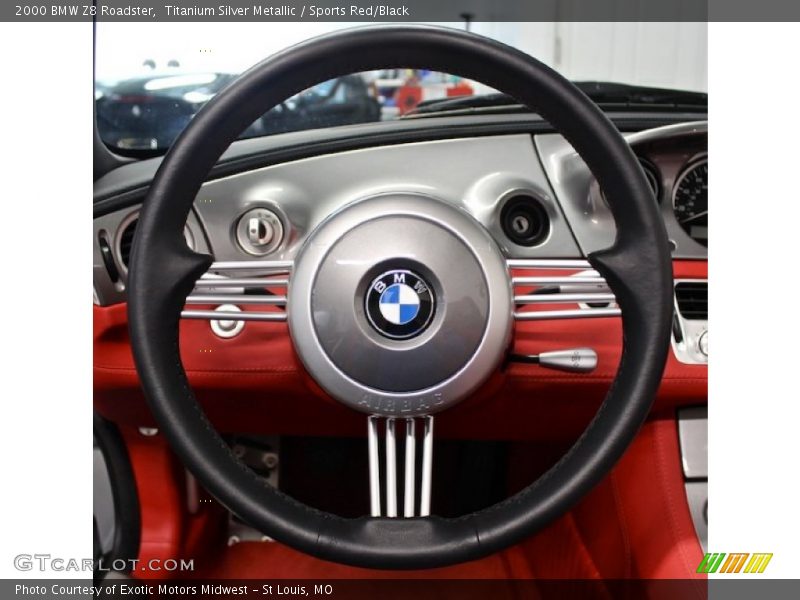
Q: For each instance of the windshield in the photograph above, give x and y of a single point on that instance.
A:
(150, 82)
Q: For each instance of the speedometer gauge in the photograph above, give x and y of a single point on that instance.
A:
(690, 201)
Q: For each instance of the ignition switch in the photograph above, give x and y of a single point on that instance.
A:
(259, 231)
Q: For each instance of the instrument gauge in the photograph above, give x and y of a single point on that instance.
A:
(690, 201)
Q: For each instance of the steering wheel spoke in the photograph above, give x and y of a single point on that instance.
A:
(575, 283)
(260, 283)
(390, 427)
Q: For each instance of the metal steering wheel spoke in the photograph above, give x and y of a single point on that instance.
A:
(388, 426)
(576, 283)
(259, 283)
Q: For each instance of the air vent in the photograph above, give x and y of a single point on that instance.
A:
(107, 256)
(692, 298)
(126, 242)
(653, 177)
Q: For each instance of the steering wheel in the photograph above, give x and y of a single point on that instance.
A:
(399, 305)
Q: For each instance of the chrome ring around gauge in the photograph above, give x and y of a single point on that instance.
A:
(415, 326)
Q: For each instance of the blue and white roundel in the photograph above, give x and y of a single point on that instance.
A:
(399, 304)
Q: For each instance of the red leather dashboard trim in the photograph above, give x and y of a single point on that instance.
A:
(655, 515)
(634, 524)
(255, 382)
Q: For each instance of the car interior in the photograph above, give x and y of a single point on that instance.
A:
(468, 342)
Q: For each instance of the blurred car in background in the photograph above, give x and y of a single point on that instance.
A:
(143, 115)
(146, 113)
(342, 101)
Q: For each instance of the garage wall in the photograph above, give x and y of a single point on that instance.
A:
(659, 54)
(673, 55)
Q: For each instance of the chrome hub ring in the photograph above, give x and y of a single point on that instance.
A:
(411, 329)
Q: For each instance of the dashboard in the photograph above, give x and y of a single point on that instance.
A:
(533, 193)
(523, 183)
(674, 160)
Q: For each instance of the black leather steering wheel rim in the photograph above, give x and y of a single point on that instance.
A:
(163, 271)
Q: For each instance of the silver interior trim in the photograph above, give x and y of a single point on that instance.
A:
(239, 283)
(216, 288)
(427, 468)
(374, 467)
(391, 455)
(391, 468)
(218, 315)
(693, 438)
(262, 266)
(103, 495)
(587, 213)
(549, 263)
(410, 467)
(472, 174)
(580, 313)
(559, 298)
(697, 497)
(548, 280)
(243, 299)
(667, 131)
(585, 288)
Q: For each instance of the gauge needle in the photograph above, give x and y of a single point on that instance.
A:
(693, 217)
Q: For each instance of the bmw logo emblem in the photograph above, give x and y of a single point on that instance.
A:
(399, 304)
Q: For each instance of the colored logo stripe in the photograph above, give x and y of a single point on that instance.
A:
(712, 562)
(734, 563)
(758, 563)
